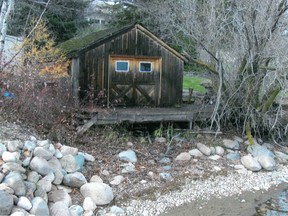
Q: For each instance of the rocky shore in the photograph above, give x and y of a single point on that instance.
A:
(41, 177)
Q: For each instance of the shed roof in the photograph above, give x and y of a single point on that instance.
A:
(77, 45)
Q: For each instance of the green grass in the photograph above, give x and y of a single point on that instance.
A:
(194, 82)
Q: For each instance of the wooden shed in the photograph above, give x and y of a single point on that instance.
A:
(130, 65)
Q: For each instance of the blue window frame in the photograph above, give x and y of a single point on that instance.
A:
(122, 66)
(145, 66)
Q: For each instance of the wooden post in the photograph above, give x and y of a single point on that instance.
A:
(190, 95)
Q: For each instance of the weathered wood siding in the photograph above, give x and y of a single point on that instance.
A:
(94, 65)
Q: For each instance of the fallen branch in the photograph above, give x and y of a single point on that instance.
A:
(82, 129)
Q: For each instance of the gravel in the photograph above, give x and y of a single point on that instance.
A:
(216, 186)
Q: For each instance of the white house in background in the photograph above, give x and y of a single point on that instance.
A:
(95, 12)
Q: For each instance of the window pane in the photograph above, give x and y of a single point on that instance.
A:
(122, 66)
(145, 67)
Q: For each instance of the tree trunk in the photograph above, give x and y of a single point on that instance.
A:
(6, 7)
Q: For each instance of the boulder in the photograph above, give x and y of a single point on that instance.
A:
(2, 149)
(69, 163)
(24, 203)
(100, 193)
(76, 210)
(117, 180)
(59, 209)
(184, 156)
(231, 144)
(44, 143)
(96, 178)
(233, 156)
(219, 150)
(88, 157)
(39, 207)
(89, 204)
(43, 153)
(76, 179)
(128, 156)
(29, 145)
(60, 195)
(55, 164)
(165, 160)
(6, 204)
(14, 145)
(15, 181)
(281, 156)
(9, 157)
(250, 163)
(12, 166)
(268, 163)
(33, 176)
(256, 150)
(40, 165)
(195, 153)
(204, 149)
(80, 160)
(68, 150)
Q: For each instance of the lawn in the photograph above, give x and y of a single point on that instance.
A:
(194, 82)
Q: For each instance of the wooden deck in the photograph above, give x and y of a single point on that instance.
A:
(187, 113)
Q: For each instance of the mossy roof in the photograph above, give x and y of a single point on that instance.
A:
(75, 45)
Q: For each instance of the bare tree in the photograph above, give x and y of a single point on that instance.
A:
(6, 7)
(242, 44)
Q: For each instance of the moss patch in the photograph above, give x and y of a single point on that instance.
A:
(194, 82)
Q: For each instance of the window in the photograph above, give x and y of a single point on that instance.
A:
(145, 67)
(122, 66)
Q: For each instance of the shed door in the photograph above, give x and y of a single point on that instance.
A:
(134, 81)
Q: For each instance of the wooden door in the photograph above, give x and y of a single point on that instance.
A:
(134, 81)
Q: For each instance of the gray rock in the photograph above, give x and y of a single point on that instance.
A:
(1, 176)
(128, 156)
(76, 179)
(96, 178)
(233, 156)
(58, 177)
(195, 153)
(40, 165)
(101, 193)
(43, 153)
(30, 189)
(6, 188)
(219, 150)
(88, 157)
(59, 209)
(166, 168)
(55, 164)
(15, 181)
(80, 160)
(256, 150)
(24, 203)
(16, 211)
(76, 210)
(214, 157)
(12, 166)
(117, 210)
(165, 177)
(184, 156)
(268, 163)
(33, 176)
(231, 144)
(60, 195)
(29, 145)
(68, 150)
(165, 160)
(117, 180)
(281, 156)
(52, 149)
(58, 154)
(240, 140)
(204, 149)
(6, 203)
(128, 168)
(39, 207)
(69, 163)
(26, 161)
(160, 139)
(40, 192)
(9, 157)
(2, 149)
(44, 143)
(89, 204)
(46, 182)
(14, 145)
(250, 163)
